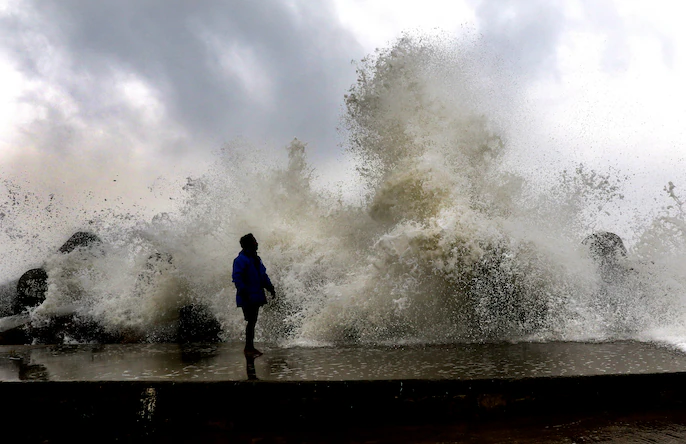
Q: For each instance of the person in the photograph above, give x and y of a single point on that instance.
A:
(251, 279)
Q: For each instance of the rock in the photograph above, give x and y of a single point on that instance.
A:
(605, 246)
(79, 239)
(73, 327)
(608, 251)
(15, 330)
(31, 290)
(198, 324)
(33, 284)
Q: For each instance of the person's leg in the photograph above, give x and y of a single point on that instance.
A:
(250, 313)
(250, 333)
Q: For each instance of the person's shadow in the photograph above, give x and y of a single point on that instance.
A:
(250, 368)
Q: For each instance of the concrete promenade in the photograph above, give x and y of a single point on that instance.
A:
(164, 390)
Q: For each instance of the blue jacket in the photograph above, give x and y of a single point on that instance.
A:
(250, 277)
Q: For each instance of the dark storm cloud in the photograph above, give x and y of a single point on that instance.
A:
(261, 69)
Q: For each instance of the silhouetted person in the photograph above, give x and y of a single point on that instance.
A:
(250, 277)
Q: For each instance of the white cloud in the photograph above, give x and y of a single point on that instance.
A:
(11, 113)
(376, 23)
(599, 79)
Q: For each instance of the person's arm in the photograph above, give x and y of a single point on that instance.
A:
(266, 282)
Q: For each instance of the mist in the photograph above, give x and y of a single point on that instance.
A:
(110, 107)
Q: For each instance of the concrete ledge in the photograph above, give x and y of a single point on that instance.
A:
(135, 407)
(127, 392)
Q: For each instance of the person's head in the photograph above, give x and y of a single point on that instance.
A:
(249, 243)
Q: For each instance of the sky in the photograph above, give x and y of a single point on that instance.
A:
(116, 99)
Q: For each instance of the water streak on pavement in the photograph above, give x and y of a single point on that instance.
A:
(226, 362)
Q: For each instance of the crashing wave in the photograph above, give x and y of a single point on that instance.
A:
(447, 243)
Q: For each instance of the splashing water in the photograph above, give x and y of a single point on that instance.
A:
(446, 243)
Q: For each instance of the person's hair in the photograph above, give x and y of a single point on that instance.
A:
(248, 241)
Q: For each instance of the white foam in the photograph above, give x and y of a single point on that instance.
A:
(447, 243)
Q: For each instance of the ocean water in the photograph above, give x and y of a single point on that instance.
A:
(436, 238)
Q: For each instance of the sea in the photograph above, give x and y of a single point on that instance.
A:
(438, 236)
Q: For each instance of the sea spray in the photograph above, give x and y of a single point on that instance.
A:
(447, 243)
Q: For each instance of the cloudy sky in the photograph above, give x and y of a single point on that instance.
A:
(139, 92)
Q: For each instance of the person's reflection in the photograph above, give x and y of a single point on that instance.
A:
(250, 367)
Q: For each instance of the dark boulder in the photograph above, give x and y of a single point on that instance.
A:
(80, 239)
(33, 284)
(605, 246)
(198, 324)
(73, 327)
(31, 290)
(608, 251)
(15, 330)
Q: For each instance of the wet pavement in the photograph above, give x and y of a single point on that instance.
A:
(226, 362)
(620, 392)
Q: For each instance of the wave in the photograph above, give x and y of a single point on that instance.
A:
(446, 242)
